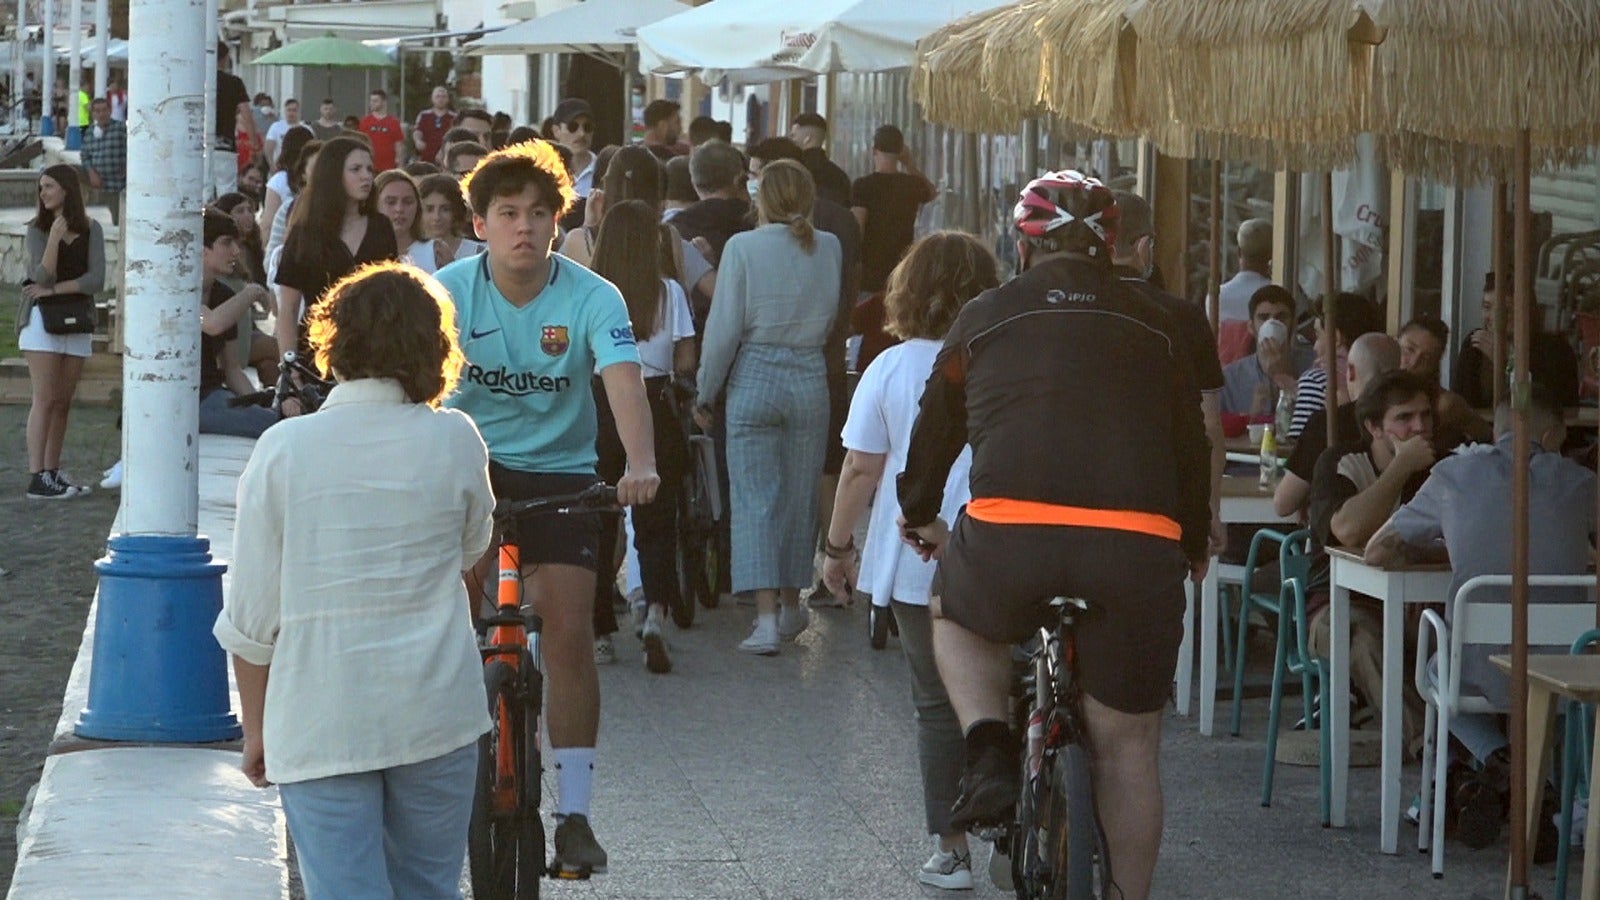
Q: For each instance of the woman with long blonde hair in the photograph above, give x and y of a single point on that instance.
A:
(776, 297)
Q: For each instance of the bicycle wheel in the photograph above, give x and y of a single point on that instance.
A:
(492, 834)
(1071, 832)
(689, 565)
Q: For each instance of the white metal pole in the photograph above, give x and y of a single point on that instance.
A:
(157, 673)
(74, 75)
(47, 70)
(19, 69)
(166, 119)
(102, 46)
(209, 14)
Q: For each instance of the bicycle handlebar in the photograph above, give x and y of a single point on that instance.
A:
(598, 497)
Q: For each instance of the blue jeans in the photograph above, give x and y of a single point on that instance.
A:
(391, 833)
(217, 417)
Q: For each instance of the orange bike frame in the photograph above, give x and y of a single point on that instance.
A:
(511, 639)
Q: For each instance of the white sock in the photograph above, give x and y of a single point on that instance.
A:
(767, 621)
(574, 779)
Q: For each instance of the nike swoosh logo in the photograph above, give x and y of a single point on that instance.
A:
(478, 334)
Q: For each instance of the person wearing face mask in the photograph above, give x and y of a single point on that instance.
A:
(1276, 364)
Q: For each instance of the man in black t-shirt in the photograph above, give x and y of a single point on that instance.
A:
(221, 376)
(885, 203)
(233, 113)
(1355, 489)
(1133, 257)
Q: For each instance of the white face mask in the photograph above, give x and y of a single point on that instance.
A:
(753, 185)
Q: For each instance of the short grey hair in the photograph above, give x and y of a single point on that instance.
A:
(715, 166)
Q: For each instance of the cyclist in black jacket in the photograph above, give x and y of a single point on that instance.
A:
(1090, 478)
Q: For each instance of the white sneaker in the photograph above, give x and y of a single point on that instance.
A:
(792, 622)
(761, 642)
(604, 653)
(951, 871)
(655, 645)
(113, 478)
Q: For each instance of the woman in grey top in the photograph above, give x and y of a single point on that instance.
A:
(66, 256)
(777, 293)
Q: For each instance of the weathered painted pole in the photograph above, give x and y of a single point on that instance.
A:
(47, 70)
(19, 68)
(74, 75)
(157, 673)
(102, 46)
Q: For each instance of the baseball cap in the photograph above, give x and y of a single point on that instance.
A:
(571, 108)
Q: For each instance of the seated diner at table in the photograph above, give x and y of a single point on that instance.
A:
(1354, 490)
(1461, 511)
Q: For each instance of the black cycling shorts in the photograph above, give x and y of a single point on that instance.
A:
(997, 580)
(568, 539)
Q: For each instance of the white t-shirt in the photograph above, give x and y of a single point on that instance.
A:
(655, 352)
(275, 134)
(1235, 293)
(422, 256)
(882, 412)
(279, 184)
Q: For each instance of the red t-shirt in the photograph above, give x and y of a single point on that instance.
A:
(386, 133)
(434, 126)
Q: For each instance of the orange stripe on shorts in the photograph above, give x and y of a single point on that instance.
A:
(1001, 511)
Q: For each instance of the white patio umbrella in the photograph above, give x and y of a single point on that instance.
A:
(767, 40)
(605, 28)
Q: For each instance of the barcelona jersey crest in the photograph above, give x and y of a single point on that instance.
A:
(553, 340)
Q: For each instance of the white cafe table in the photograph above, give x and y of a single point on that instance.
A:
(1243, 502)
(1394, 588)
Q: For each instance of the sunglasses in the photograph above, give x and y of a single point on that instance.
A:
(584, 125)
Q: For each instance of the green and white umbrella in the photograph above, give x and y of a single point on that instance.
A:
(330, 53)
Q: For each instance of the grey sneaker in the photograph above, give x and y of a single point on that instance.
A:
(578, 854)
(951, 871)
(761, 642)
(792, 622)
(604, 653)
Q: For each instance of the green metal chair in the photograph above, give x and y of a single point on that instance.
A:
(1294, 657)
(1574, 766)
(1269, 604)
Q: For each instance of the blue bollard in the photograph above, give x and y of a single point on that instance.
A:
(157, 674)
(74, 137)
(47, 127)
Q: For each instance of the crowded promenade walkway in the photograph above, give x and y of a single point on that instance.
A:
(733, 777)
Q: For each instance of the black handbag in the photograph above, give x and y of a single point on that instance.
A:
(66, 313)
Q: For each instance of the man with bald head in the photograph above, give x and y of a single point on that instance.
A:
(1370, 355)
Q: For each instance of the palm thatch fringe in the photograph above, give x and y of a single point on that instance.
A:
(1468, 67)
(1284, 70)
(948, 79)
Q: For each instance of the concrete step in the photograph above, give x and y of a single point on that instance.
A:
(100, 385)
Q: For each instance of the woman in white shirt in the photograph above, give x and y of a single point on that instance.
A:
(938, 275)
(280, 188)
(444, 218)
(359, 677)
(631, 252)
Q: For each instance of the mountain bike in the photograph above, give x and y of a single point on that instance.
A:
(699, 510)
(1056, 845)
(505, 839)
